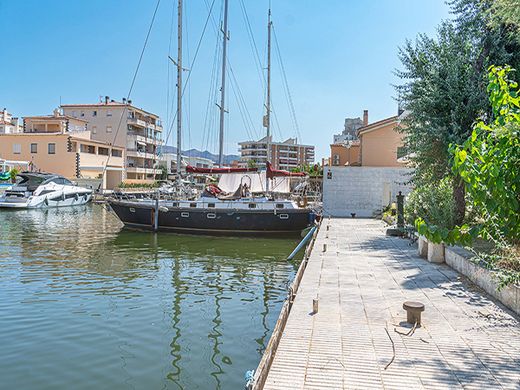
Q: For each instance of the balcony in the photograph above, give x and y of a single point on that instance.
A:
(253, 154)
(149, 171)
(140, 154)
(141, 138)
(254, 147)
(137, 122)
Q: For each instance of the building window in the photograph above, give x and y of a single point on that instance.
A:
(329, 175)
(87, 149)
(109, 129)
(17, 148)
(117, 153)
(51, 148)
(34, 148)
(401, 151)
(94, 129)
(103, 151)
(335, 159)
(109, 113)
(82, 113)
(94, 113)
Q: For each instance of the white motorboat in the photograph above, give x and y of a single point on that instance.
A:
(42, 190)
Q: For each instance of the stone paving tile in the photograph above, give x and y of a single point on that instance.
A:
(467, 340)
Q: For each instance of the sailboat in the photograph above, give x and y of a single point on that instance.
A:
(248, 210)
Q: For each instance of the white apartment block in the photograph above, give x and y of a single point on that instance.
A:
(122, 124)
(284, 155)
(8, 124)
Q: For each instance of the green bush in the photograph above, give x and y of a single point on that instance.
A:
(140, 185)
(433, 203)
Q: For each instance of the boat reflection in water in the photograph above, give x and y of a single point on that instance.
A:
(114, 308)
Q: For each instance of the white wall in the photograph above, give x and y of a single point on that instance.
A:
(362, 190)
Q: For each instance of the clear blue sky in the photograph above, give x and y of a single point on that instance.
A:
(339, 57)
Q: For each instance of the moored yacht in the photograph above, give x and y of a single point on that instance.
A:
(252, 203)
(40, 190)
(231, 215)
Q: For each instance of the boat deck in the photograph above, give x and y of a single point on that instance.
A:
(467, 340)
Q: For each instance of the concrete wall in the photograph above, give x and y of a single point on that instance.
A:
(361, 190)
(460, 259)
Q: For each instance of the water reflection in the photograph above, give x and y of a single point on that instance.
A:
(144, 310)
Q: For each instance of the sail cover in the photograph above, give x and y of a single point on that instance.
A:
(191, 169)
(255, 181)
(273, 173)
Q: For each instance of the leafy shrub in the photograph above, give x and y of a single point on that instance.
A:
(139, 185)
(433, 203)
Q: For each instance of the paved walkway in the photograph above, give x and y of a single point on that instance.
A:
(467, 340)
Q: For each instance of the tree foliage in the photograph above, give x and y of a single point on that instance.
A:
(443, 88)
(489, 161)
(440, 98)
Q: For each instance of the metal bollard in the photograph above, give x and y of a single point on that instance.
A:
(315, 305)
(324, 247)
(400, 210)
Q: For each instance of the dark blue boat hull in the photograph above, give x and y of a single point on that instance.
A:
(213, 221)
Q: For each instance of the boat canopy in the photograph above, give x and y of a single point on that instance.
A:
(272, 173)
(191, 169)
(255, 182)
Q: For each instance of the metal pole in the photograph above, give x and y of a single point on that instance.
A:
(400, 210)
(223, 87)
(268, 103)
(179, 91)
(156, 213)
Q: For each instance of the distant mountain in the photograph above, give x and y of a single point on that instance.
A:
(205, 154)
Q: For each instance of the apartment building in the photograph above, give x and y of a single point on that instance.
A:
(170, 161)
(126, 126)
(61, 144)
(378, 144)
(9, 124)
(284, 155)
(350, 128)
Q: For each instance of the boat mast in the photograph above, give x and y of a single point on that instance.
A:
(223, 87)
(267, 123)
(179, 90)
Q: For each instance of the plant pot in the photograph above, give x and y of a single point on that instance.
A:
(435, 252)
(422, 247)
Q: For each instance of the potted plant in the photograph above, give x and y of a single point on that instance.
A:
(432, 208)
(13, 173)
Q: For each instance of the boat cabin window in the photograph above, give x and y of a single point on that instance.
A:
(31, 182)
(211, 205)
(252, 205)
(193, 204)
(59, 180)
(279, 206)
(175, 204)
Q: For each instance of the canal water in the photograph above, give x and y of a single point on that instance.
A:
(85, 304)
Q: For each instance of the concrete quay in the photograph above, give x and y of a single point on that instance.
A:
(467, 340)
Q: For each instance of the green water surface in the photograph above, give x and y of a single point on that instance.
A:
(85, 304)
